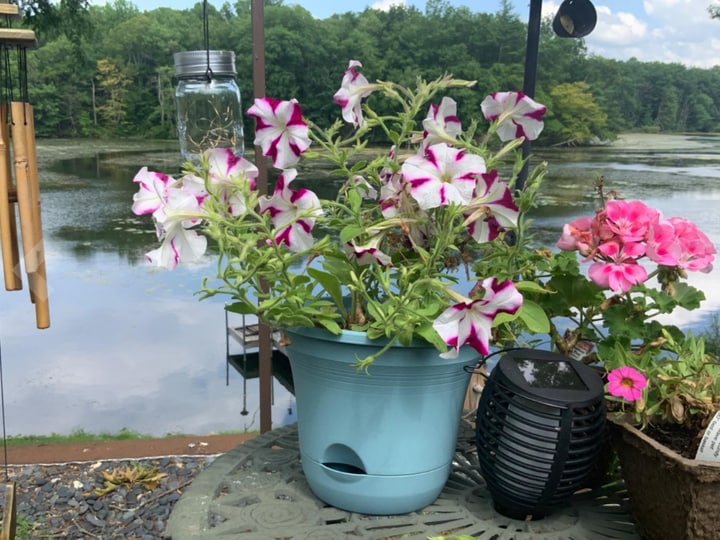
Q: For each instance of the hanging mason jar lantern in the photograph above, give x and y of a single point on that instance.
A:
(209, 108)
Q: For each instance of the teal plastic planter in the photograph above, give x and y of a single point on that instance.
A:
(381, 443)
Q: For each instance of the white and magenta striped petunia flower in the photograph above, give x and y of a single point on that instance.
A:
(471, 322)
(179, 211)
(293, 213)
(280, 130)
(151, 193)
(353, 89)
(226, 174)
(443, 175)
(368, 253)
(491, 209)
(179, 244)
(441, 123)
(517, 115)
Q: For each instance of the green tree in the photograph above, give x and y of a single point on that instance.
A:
(714, 11)
(113, 84)
(576, 116)
(51, 19)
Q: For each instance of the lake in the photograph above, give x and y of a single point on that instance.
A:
(132, 347)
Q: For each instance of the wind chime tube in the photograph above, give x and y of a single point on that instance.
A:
(23, 140)
(8, 196)
(39, 283)
(24, 190)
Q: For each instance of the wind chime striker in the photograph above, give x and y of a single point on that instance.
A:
(19, 183)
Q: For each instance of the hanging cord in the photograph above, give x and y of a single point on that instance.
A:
(206, 39)
(23, 74)
(7, 88)
(2, 411)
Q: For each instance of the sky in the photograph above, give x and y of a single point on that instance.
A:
(672, 31)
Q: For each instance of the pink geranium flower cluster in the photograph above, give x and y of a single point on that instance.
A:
(402, 221)
(624, 233)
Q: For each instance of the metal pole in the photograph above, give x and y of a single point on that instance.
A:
(257, 16)
(531, 62)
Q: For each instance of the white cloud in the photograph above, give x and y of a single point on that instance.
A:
(675, 31)
(616, 29)
(385, 5)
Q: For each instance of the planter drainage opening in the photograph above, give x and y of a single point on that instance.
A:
(341, 458)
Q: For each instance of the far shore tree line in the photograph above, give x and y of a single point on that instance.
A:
(107, 70)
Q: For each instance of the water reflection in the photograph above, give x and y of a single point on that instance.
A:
(133, 347)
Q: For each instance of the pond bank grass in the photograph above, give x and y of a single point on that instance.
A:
(82, 436)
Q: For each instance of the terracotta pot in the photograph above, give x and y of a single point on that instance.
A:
(671, 497)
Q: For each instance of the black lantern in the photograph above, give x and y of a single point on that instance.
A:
(575, 19)
(540, 425)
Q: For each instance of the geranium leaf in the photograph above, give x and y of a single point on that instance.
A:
(534, 317)
(688, 296)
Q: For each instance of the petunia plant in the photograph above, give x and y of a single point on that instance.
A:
(676, 386)
(395, 253)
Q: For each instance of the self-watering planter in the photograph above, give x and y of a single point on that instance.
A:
(380, 442)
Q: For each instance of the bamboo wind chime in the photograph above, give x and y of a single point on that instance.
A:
(18, 156)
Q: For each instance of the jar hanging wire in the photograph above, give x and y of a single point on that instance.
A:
(208, 101)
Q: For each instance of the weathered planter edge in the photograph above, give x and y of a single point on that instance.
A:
(695, 466)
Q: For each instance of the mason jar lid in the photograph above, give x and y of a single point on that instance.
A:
(195, 63)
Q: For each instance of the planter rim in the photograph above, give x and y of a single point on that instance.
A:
(685, 463)
(352, 337)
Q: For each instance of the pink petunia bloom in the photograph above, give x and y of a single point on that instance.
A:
(442, 176)
(280, 130)
(471, 322)
(626, 383)
(441, 123)
(293, 212)
(494, 202)
(517, 115)
(353, 89)
(630, 220)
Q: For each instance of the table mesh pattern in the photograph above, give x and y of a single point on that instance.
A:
(257, 492)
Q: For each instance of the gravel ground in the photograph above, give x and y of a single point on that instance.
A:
(61, 501)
